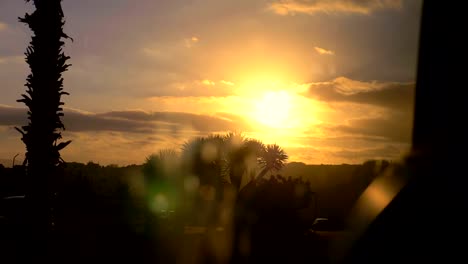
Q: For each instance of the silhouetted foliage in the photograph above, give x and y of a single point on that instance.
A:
(108, 212)
(242, 156)
(45, 84)
(282, 193)
(203, 157)
(163, 181)
(272, 158)
(43, 99)
(230, 158)
(268, 213)
(337, 187)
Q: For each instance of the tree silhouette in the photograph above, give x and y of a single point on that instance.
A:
(217, 158)
(272, 158)
(228, 158)
(241, 155)
(43, 99)
(162, 179)
(203, 157)
(160, 165)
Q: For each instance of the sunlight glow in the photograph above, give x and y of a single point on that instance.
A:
(273, 109)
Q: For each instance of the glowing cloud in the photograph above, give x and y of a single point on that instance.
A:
(291, 7)
(190, 42)
(208, 82)
(151, 51)
(3, 26)
(227, 83)
(12, 59)
(322, 51)
(390, 94)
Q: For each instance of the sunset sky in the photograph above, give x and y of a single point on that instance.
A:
(331, 81)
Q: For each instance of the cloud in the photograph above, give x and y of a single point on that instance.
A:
(324, 51)
(343, 153)
(133, 121)
(387, 152)
(12, 59)
(11, 116)
(170, 50)
(164, 75)
(190, 42)
(310, 7)
(3, 26)
(227, 83)
(119, 137)
(202, 123)
(151, 51)
(193, 88)
(128, 136)
(395, 95)
(117, 147)
(220, 83)
(375, 111)
(208, 82)
(394, 126)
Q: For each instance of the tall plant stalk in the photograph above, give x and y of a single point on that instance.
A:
(44, 89)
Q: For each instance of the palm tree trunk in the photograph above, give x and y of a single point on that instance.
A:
(43, 99)
(262, 173)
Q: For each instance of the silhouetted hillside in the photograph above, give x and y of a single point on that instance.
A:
(337, 187)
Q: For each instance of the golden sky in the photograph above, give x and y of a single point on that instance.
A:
(329, 81)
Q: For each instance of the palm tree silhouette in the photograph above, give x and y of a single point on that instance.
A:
(272, 158)
(203, 157)
(43, 99)
(241, 153)
(218, 158)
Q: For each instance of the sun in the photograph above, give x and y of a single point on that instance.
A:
(273, 109)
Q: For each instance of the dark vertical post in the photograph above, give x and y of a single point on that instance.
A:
(440, 87)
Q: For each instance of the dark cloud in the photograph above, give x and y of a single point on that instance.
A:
(349, 154)
(131, 121)
(397, 99)
(394, 95)
(78, 121)
(203, 123)
(11, 116)
(396, 127)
